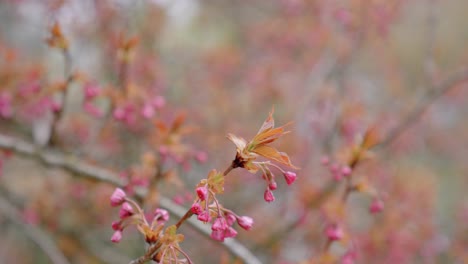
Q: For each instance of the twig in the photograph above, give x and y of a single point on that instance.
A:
(439, 90)
(37, 235)
(83, 169)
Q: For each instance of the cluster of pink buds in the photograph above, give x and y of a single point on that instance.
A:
(223, 220)
(338, 171)
(91, 91)
(269, 177)
(208, 209)
(131, 214)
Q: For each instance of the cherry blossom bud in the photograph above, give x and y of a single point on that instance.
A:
(55, 106)
(91, 91)
(268, 196)
(161, 215)
(202, 193)
(218, 235)
(219, 224)
(119, 113)
(158, 102)
(245, 222)
(125, 211)
(376, 206)
(201, 156)
(230, 219)
(334, 232)
(196, 208)
(117, 236)
(290, 177)
(346, 171)
(204, 216)
(117, 225)
(147, 111)
(272, 186)
(230, 232)
(118, 197)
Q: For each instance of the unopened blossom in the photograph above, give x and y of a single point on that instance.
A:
(376, 206)
(219, 224)
(346, 171)
(202, 193)
(118, 197)
(91, 91)
(126, 210)
(290, 177)
(230, 219)
(196, 208)
(334, 232)
(272, 185)
(230, 232)
(204, 216)
(268, 196)
(161, 215)
(117, 225)
(218, 235)
(117, 236)
(245, 222)
(147, 111)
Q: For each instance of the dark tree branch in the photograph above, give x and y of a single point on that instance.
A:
(80, 168)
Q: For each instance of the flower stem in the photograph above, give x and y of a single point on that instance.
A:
(186, 216)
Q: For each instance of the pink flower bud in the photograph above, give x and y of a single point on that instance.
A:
(204, 216)
(161, 215)
(125, 211)
(218, 235)
(117, 236)
(147, 111)
(117, 225)
(118, 197)
(346, 171)
(55, 106)
(290, 177)
(119, 113)
(334, 232)
(272, 186)
(376, 206)
(91, 91)
(158, 102)
(268, 196)
(219, 224)
(196, 208)
(245, 222)
(230, 232)
(230, 219)
(201, 156)
(202, 193)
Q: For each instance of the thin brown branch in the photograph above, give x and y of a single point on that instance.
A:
(439, 90)
(34, 233)
(83, 169)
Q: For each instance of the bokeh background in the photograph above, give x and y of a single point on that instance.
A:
(334, 68)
